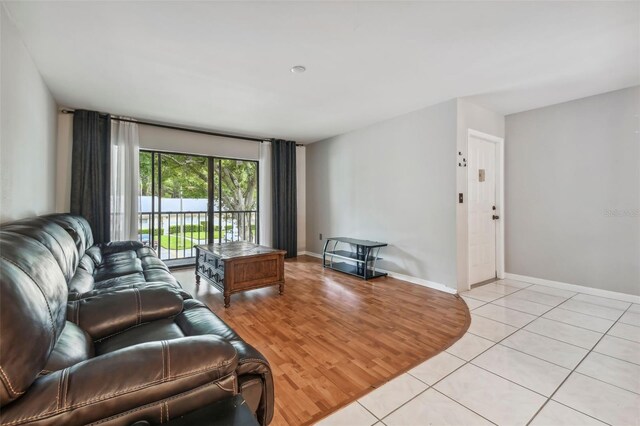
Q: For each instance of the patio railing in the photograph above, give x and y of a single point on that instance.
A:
(174, 234)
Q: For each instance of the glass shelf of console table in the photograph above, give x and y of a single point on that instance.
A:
(363, 259)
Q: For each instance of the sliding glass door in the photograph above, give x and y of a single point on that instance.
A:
(187, 200)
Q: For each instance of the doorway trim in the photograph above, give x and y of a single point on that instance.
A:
(500, 250)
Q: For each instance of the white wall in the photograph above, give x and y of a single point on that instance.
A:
(573, 192)
(158, 138)
(470, 116)
(64, 147)
(27, 131)
(394, 181)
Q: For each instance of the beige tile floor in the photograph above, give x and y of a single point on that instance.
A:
(532, 355)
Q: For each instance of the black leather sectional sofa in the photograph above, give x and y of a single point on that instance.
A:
(104, 334)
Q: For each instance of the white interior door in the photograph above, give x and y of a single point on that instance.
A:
(481, 194)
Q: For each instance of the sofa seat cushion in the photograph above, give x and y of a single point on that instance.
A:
(81, 282)
(73, 346)
(121, 281)
(118, 268)
(115, 258)
(160, 275)
(165, 329)
(152, 262)
(194, 320)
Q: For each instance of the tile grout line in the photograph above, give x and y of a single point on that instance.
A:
(456, 402)
(522, 328)
(615, 357)
(593, 315)
(369, 411)
(435, 390)
(558, 305)
(547, 318)
(465, 363)
(602, 381)
(431, 386)
(484, 303)
(574, 371)
(579, 347)
(522, 352)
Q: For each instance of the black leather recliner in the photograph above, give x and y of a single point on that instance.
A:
(104, 333)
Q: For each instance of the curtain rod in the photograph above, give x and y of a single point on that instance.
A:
(184, 129)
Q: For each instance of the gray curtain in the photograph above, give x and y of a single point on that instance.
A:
(284, 196)
(91, 171)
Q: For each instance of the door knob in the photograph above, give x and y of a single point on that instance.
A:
(496, 217)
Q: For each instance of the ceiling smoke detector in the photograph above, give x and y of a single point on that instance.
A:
(298, 69)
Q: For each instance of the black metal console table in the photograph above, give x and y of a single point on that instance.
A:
(361, 262)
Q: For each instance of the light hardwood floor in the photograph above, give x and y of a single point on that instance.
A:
(332, 338)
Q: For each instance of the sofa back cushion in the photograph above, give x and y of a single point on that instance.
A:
(77, 226)
(73, 346)
(32, 311)
(53, 237)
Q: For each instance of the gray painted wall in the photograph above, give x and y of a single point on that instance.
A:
(394, 181)
(27, 131)
(573, 192)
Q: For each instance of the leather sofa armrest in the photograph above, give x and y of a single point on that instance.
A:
(150, 381)
(103, 314)
(198, 319)
(118, 246)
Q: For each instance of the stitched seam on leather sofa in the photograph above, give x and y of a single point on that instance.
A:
(44, 231)
(156, 403)
(164, 376)
(58, 393)
(136, 293)
(163, 401)
(106, 397)
(169, 360)
(7, 383)
(129, 328)
(65, 386)
(248, 360)
(46, 301)
(251, 382)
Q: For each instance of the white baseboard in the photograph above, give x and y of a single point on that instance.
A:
(422, 282)
(577, 288)
(309, 253)
(398, 276)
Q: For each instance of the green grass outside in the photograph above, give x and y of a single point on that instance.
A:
(203, 235)
(180, 242)
(175, 243)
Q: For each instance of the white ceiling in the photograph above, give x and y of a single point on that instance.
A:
(225, 65)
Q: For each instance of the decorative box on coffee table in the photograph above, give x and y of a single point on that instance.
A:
(239, 266)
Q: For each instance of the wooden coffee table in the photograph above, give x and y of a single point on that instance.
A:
(239, 266)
